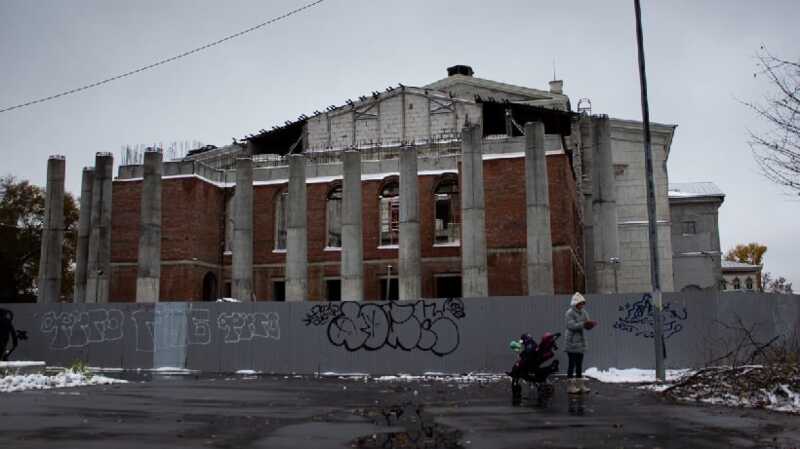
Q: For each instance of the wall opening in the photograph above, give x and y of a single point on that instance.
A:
(333, 289)
(448, 286)
(390, 291)
(209, 287)
(279, 291)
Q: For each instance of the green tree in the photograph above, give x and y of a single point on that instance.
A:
(752, 253)
(21, 222)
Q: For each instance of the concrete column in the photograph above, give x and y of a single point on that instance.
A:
(410, 282)
(587, 160)
(242, 269)
(98, 276)
(352, 269)
(84, 229)
(537, 201)
(604, 208)
(149, 273)
(474, 274)
(52, 233)
(296, 234)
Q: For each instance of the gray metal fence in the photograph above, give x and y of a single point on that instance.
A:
(450, 336)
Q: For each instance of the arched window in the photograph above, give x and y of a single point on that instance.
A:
(447, 212)
(280, 220)
(737, 284)
(723, 285)
(748, 283)
(389, 214)
(209, 287)
(333, 217)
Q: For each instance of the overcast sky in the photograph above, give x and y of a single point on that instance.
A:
(700, 60)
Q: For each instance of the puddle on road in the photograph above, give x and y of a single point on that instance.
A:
(421, 432)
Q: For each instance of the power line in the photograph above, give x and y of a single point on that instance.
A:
(164, 61)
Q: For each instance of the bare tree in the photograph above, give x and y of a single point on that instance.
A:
(777, 150)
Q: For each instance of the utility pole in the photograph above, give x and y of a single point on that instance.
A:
(651, 204)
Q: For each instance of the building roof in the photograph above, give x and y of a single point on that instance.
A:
(729, 265)
(694, 190)
(526, 92)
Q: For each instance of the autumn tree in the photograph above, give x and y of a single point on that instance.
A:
(777, 149)
(751, 253)
(21, 223)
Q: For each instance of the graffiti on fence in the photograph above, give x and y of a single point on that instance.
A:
(639, 318)
(423, 326)
(77, 329)
(241, 326)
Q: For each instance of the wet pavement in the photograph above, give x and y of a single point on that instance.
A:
(274, 412)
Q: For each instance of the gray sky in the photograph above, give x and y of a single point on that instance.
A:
(700, 60)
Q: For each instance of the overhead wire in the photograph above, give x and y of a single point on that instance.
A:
(164, 61)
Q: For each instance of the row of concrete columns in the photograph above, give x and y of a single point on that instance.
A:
(474, 254)
(93, 271)
(93, 250)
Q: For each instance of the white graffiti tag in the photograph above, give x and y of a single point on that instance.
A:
(240, 326)
(79, 329)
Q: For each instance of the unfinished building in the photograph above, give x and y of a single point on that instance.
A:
(462, 187)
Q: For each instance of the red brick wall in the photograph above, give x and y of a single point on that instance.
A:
(193, 234)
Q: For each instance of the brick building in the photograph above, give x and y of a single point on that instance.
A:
(594, 180)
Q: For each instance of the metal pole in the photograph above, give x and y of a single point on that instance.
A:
(388, 281)
(651, 203)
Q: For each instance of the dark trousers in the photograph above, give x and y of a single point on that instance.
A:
(575, 365)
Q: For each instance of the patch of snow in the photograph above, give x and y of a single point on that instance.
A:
(632, 375)
(20, 364)
(228, 300)
(437, 377)
(64, 379)
(247, 372)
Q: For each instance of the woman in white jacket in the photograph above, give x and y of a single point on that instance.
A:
(577, 323)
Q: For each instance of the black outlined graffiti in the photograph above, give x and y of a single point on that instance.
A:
(241, 326)
(419, 325)
(639, 318)
(8, 333)
(79, 329)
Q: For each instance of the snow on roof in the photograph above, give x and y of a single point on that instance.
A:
(533, 94)
(729, 264)
(694, 190)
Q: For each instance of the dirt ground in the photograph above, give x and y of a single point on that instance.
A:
(306, 412)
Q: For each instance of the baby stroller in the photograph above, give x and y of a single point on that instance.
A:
(530, 363)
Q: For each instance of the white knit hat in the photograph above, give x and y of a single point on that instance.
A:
(577, 298)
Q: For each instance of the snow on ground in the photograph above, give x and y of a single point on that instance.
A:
(44, 382)
(632, 375)
(440, 377)
(20, 364)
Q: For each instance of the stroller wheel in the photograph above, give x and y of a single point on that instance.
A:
(516, 390)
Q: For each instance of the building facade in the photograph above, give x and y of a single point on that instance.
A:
(576, 221)
(694, 213)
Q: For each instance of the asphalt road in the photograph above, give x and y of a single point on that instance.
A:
(302, 412)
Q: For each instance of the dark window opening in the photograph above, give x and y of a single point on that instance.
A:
(448, 286)
(279, 291)
(334, 218)
(333, 289)
(228, 290)
(689, 228)
(393, 294)
(209, 287)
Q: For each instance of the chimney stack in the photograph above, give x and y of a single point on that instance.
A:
(460, 70)
(557, 87)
